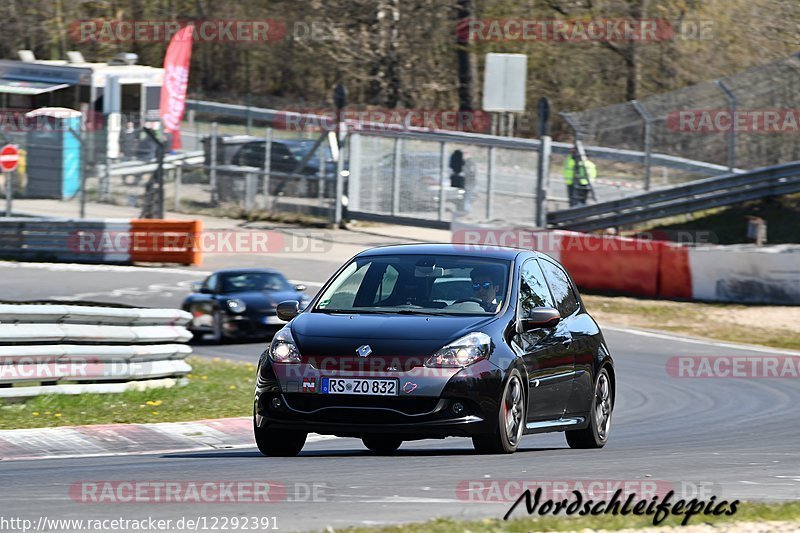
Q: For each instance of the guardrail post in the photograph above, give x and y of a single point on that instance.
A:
(249, 190)
(732, 104)
(267, 167)
(9, 191)
(396, 176)
(542, 182)
(648, 139)
(490, 182)
(442, 177)
(213, 175)
(340, 175)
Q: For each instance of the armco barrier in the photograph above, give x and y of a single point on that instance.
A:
(116, 241)
(71, 349)
(641, 267)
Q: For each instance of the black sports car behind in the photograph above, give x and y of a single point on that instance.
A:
(239, 303)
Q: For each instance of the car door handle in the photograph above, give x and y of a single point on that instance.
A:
(566, 343)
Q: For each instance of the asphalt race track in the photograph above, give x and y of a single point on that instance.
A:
(732, 438)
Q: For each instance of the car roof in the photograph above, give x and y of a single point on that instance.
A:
(478, 251)
(247, 271)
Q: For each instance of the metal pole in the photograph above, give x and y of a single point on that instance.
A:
(9, 191)
(541, 182)
(442, 177)
(490, 182)
(732, 104)
(396, 177)
(213, 176)
(176, 201)
(648, 139)
(267, 166)
(337, 212)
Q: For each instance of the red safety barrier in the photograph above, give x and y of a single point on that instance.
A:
(166, 241)
(674, 274)
(614, 264)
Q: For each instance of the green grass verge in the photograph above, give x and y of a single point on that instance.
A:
(747, 512)
(216, 389)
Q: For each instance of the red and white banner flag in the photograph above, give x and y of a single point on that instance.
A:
(176, 78)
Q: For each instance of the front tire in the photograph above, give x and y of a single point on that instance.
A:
(596, 434)
(278, 442)
(381, 444)
(510, 420)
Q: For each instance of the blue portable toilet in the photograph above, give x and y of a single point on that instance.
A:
(53, 153)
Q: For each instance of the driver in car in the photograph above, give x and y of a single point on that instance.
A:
(486, 288)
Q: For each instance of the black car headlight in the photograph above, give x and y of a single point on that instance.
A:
(462, 352)
(283, 348)
(236, 305)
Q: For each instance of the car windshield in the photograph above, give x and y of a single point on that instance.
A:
(300, 149)
(254, 281)
(415, 284)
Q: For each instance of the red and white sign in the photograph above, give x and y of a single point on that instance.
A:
(9, 158)
(176, 78)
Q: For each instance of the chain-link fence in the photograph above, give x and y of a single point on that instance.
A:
(744, 121)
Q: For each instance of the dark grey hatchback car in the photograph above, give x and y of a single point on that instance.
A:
(429, 341)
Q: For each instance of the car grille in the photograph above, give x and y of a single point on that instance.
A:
(330, 408)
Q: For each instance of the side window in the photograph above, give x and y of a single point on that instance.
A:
(212, 283)
(533, 290)
(566, 301)
(386, 285)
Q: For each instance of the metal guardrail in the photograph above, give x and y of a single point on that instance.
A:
(57, 239)
(132, 168)
(72, 349)
(703, 194)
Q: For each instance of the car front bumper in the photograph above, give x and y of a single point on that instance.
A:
(431, 403)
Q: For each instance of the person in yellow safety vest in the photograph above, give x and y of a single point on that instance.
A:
(587, 172)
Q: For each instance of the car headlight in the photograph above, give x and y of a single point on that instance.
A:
(283, 348)
(462, 352)
(236, 305)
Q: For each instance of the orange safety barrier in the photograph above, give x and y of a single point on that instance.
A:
(614, 264)
(166, 241)
(674, 274)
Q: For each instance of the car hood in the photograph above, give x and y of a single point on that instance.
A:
(405, 338)
(264, 300)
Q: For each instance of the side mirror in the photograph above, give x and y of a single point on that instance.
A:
(300, 287)
(288, 310)
(540, 317)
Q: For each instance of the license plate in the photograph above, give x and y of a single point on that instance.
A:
(359, 386)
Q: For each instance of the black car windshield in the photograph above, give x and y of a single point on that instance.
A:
(254, 281)
(415, 284)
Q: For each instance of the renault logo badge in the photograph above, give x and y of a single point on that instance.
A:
(364, 351)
